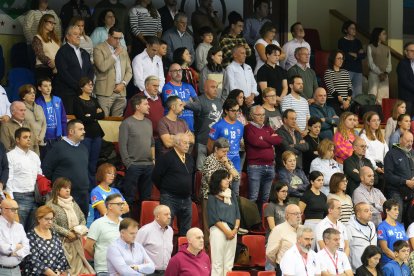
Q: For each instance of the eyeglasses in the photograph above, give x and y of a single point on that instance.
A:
(283, 191)
(110, 174)
(51, 22)
(234, 110)
(48, 219)
(14, 210)
(259, 115)
(120, 204)
(296, 214)
(117, 38)
(271, 96)
(362, 146)
(176, 71)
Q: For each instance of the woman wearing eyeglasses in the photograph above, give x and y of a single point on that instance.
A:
(105, 176)
(47, 256)
(70, 224)
(45, 45)
(337, 190)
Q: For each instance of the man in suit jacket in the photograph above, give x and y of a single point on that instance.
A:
(168, 13)
(72, 63)
(113, 72)
(405, 73)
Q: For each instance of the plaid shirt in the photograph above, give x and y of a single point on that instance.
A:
(227, 44)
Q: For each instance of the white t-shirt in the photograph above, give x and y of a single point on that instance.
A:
(333, 265)
(410, 231)
(293, 263)
(325, 224)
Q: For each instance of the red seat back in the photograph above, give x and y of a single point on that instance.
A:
(147, 212)
(266, 273)
(182, 240)
(321, 62)
(313, 38)
(257, 250)
(238, 273)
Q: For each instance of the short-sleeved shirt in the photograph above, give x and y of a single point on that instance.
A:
(315, 205)
(233, 133)
(166, 126)
(390, 234)
(185, 92)
(277, 212)
(301, 108)
(293, 263)
(328, 262)
(325, 224)
(273, 118)
(103, 231)
(273, 77)
(98, 196)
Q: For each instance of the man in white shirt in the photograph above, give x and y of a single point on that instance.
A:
(298, 40)
(4, 106)
(24, 166)
(148, 63)
(332, 221)
(361, 233)
(300, 259)
(14, 245)
(239, 75)
(157, 238)
(298, 103)
(332, 260)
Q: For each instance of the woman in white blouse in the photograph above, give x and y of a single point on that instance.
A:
(376, 145)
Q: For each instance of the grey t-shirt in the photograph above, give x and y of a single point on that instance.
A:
(277, 211)
(273, 119)
(206, 113)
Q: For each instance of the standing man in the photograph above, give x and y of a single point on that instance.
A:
(137, 149)
(125, 256)
(405, 75)
(321, 110)
(206, 16)
(72, 63)
(167, 13)
(103, 232)
(191, 258)
(302, 69)
(14, 243)
(298, 103)
(157, 238)
(253, 24)
(289, 48)
(148, 63)
(239, 75)
(24, 166)
(260, 155)
(367, 193)
(231, 129)
(113, 73)
(173, 176)
(207, 111)
(69, 158)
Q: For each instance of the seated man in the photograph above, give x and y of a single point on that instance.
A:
(367, 193)
(191, 258)
(125, 256)
(321, 110)
(398, 266)
(332, 260)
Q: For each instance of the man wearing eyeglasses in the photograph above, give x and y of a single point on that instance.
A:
(14, 243)
(113, 72)
(103, 232)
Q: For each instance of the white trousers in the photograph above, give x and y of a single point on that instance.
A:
(378, 88)
(222, 252)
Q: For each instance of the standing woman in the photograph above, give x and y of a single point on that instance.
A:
(379, 63)
(86, 108)
(313, 139)
(144, 20)
(344, 137)
(183, 57)
(224, 221)
(70, 224)
(34, 113)
(45, 45)
(403, 125)
(106, 21)
(313, 202)
(354, 54)
(85, 41)
(213, 70)
(338, 83)
(47, 256)
(337, 190)
(398, 108)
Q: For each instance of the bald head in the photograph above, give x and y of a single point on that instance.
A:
(9, 209)
(18, 110)
(7, 203)
(195, 238)
(366, 174)
(360, 147)
(162, 215)
(175, 72)
(210, 89)
(320, 96)
(406, 140)
(293, 215)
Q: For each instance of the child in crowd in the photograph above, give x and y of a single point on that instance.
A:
(206, 34)
(162, 53)
(398, 266)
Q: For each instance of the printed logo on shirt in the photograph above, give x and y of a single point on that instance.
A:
(212, 131)
(168, 91)
(94, 198)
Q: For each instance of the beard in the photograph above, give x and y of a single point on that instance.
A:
(305, 248)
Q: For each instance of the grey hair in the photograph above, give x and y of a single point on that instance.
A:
(151, 78)
(70, 29)
(158, 209)
(178, 138)
(253, 109)
(237, 46)
(179, 15)
(297, 50)
(13, 105)
(303, 229)
(221, 143)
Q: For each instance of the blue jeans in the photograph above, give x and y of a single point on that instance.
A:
(180, 207)
(356, 79)
(137, 179)
(260, 180)
(201, 156)
(94, 149)
(27, 209)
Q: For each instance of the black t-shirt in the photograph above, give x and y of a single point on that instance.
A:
(315, 205)
(273, 77)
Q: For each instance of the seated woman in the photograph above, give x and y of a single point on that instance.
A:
(106, 21)
(344, 137)
(403, 125)
(398, 108)
(105, 176)
(47, 255)
(337, 190)
(313, 139)
(213, 70)
(224, 221)
(325, 163)
(313, 202)
(370, 262)
(70, 225)
(293, 176)
(275, 210)
(183, 57)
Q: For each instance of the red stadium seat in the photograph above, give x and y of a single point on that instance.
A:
(266, 273)
(147, 212)
(321, 62)
(182, 240)
(238, 273)
(387, 105)
(87, 256)
(257, 250)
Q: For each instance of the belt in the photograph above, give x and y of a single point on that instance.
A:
(158, 271)
(28, 193)
(8, 267)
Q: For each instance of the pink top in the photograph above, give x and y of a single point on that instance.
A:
(343, 147)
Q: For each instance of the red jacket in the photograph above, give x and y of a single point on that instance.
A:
(186, 264)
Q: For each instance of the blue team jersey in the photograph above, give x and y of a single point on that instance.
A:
(185, 92)
(390, 234)
(98, 195)
(233, 133)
